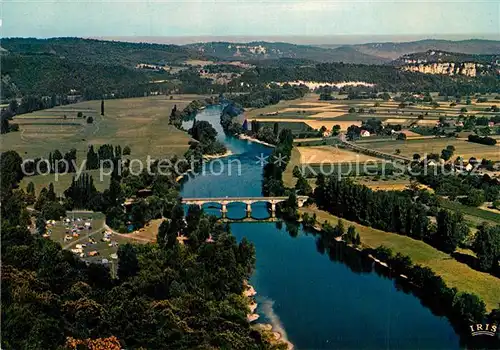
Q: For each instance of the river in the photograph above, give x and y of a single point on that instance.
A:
(318, 301)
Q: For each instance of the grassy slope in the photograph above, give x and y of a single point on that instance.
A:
(474, 214)
(288, 178)
(454, 273)
(141, 123)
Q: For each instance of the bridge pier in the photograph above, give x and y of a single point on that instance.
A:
(248, 201)
(224, 210)
(249, 210)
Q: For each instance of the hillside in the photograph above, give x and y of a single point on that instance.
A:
(90, 51)
(432, 56)
(46, 75)
(392, 51)
(265, 50)
(386, 77)
(450, 63)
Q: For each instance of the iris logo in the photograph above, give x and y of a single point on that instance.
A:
(483, 329)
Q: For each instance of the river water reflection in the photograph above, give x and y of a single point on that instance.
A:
(317, 302)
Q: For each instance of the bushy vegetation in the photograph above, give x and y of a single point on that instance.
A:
(205, 134)
(165, 295)
(462, 308)
(474, 188)
(262, 96)
(482, 140)
(272, 182)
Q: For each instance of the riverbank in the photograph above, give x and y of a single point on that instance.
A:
(184, 174)
(216, 156)
(274, 336)
(454, 273)
(252, 139)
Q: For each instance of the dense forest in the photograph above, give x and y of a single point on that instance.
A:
(47, 75)
(165, 295)
(386, 78)
(94, 68)
(92, 51)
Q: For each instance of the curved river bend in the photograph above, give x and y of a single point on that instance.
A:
(318, 303)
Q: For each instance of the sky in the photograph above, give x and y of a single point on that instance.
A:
(249, 18)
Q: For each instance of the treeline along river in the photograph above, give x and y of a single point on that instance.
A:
(318, 299)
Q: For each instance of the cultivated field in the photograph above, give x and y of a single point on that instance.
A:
(316, 114)
(140, 123)
(330, 154)
(463, 148)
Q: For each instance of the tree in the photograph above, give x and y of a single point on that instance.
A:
(401, 263)
(90, 120)
(40, 224)
(128, 263)
(446, 154)
(79, 115)
(126, 150)
(51, 194)
(92, 159)
(203, 131)
(351, 235)
(487, 247)
(102, 107)
(451, 230)
(474, 198)
(352, 110)
(255, 126)
(416, 157)
(53, 211)
(302, 186)
(469, 308)
(383, 253)
(276, 129)
(296, 172)
(193, 217)
(30, 193)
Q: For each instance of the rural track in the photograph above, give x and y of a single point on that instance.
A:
(372, 152)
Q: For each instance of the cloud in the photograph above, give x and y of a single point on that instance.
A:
(247, 17)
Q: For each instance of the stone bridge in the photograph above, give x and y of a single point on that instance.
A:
(224, 201)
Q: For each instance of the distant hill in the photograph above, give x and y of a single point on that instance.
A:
(394, 50)
(91, 67)
(90, 51)
(450, 63)
(260, 50)
(46, 75)
(434, 56)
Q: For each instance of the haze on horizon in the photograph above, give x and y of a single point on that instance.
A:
(306, 21)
